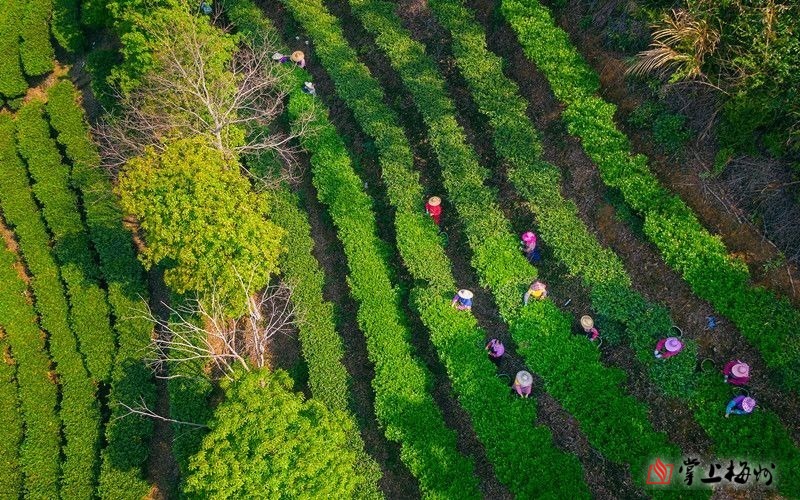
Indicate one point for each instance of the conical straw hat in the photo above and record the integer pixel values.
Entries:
(524, 378)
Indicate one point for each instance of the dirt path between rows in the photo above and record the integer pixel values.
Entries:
(685, 178)
(605, 479)
(162, 468)
(651, 277)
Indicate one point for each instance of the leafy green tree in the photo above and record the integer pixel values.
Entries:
(200, 218)
(268, 442)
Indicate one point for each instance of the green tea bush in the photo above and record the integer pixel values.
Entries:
(669, 132)
(79, 410)
(12, 81)
(89, 312)
(34, 28)
(27, 394)
(126, 451)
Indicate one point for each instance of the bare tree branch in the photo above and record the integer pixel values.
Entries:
(201, 331)
(143, 410)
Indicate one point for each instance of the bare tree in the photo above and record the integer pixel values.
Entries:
(188, 93)
(269, 313)
(201, 330)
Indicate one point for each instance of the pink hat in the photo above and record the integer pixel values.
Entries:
(673, 344)
(741, 369)
(529, 237)
(748, 404)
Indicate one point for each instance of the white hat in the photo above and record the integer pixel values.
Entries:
(465, 294)
(748, 404)
(673, 344)
(277, 56)
(587, 322)
(524, 378)
(741, 369)
(434, 201)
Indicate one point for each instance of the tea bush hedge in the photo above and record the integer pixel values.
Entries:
(127, 438)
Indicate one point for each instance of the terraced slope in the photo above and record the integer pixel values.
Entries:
(517, 141)
(403, 403)
(669, 224)
(79, 410)
(504, 270)
(127, 439)
(495, 416)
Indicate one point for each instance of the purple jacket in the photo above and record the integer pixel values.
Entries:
(496, 348)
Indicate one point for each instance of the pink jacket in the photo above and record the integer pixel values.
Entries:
(731, 378)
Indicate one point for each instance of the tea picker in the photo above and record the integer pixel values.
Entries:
(462, 300)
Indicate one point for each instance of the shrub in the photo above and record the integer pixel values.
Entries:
(99, 64)
(89, 312)
(35, 49)
(66, 25)
(669, 132)
(27, 394)
(11, 420)
(127, 438)
(12, 81)
(265, 441)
